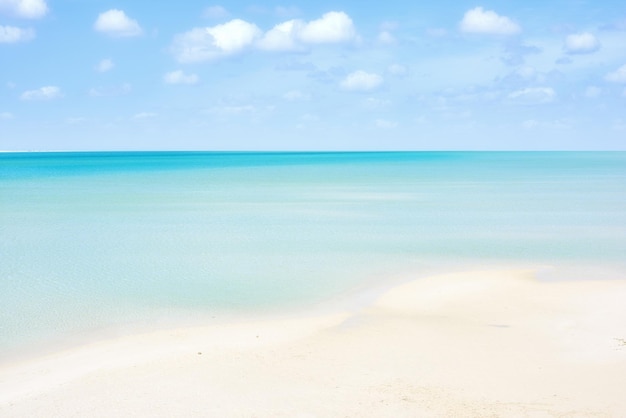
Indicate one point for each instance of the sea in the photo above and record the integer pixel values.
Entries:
(97, 241)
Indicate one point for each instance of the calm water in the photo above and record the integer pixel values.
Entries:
(91, 240)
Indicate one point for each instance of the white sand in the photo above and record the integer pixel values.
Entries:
(459, 345)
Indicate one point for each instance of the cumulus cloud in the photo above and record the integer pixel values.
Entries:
(295, 34)
(27, 9)
(533, 95)
(386, 38)
(581, 43)
(332, 27)
(11, 34)
(179, 77)
(105, 65)
(478, 20)
(617, 76)
(115, 23)
(361, 81)
(210, 43)
(43, 93)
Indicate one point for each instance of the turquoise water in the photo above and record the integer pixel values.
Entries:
(94, 240)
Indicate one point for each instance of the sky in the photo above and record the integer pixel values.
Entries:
(340, 75)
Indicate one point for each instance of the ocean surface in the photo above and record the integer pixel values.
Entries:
(92, 241)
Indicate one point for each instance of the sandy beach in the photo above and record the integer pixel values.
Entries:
(475, 344)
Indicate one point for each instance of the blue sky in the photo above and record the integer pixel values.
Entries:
(341, 75)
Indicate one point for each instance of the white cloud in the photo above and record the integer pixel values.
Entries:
(581, 43)
(28, 9)
(6, 115)
(293, 35)
(179, 77)
(295, 95)
(361, 81)
(332, 27)
(533, 95)
(617, 76)
(215, 12)
(43, 93)
(210, 43)
(478, 20)
(104, 65)
(283, 37)
(11, 34)
(115, 23)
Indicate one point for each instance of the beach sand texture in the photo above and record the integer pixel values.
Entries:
(471, 344)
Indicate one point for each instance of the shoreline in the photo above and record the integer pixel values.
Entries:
(472, 343)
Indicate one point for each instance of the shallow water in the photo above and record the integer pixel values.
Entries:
(91, 240)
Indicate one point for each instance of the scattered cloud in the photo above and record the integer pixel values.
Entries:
(215, 42)
(12, 34)
(215, 12)
(617, 76)
(283, 37)
(332, 27)
(296, 95)
(179, 77)
(210, 43)
(478, 20)
(6, 115)
(27, 9)
(115, 23)
(361, 81)
(105, 65)
(43, 93)
(296, 34)
(533, 95)
(581, 43)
